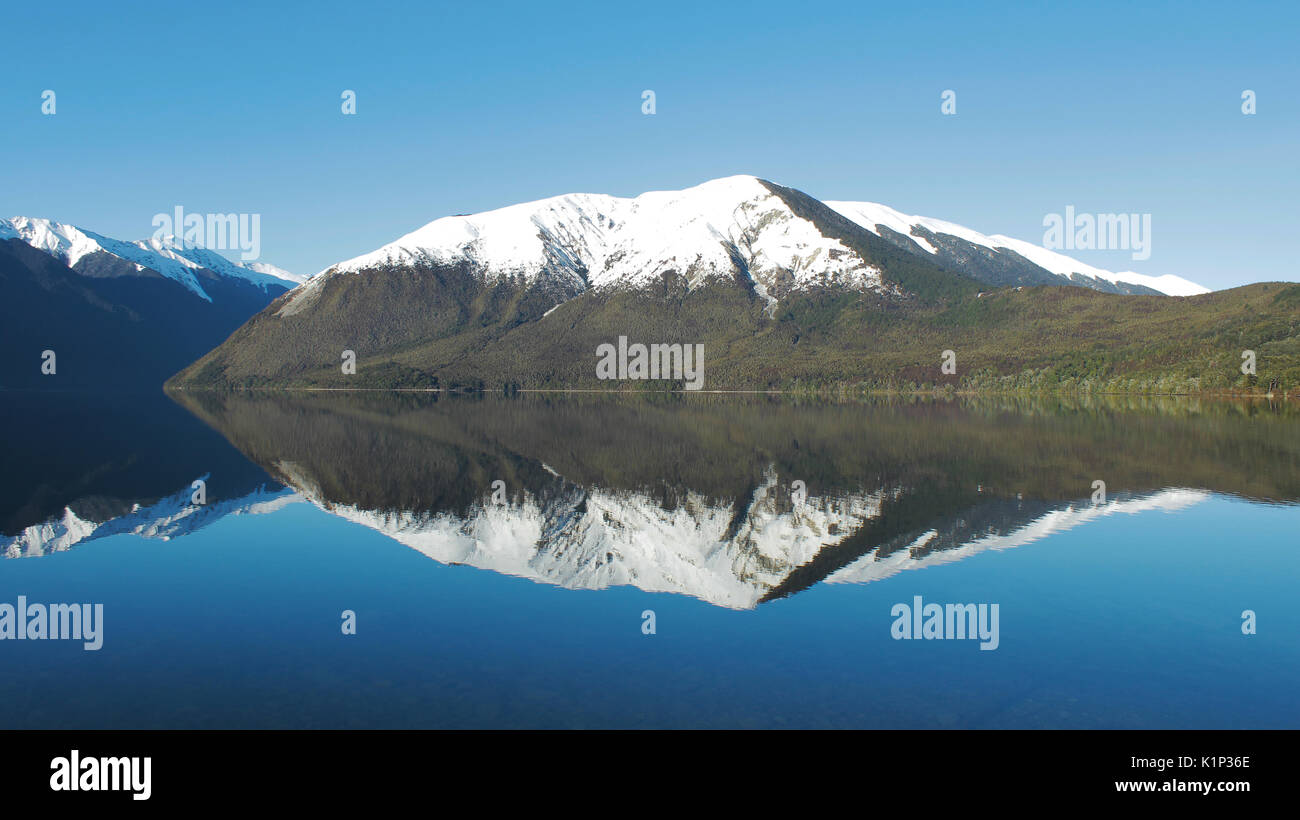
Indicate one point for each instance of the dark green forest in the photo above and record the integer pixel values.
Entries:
(437, 329)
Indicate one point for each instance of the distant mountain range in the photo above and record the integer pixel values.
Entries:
(116, 313)
(780, 289)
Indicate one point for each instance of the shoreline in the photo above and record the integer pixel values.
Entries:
(820, 393)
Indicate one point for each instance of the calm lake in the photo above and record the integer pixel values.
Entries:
(600, 561)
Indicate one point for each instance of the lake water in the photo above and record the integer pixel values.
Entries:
(665, 561)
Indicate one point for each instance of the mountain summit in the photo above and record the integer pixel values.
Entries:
(723, 228)
(781, 290)
(738, 225)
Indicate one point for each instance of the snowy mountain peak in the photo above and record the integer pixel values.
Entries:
(736, 225)
(594, 240)
(66, 242)
(166, 256)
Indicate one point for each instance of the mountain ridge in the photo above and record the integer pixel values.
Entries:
(165, 256)
(593, 218)
(83, 310)
(782, 290)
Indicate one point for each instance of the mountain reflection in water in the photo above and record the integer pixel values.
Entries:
(733, 500)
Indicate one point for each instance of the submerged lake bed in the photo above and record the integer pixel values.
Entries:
(664, 561)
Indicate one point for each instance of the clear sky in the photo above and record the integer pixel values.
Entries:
(470, 106)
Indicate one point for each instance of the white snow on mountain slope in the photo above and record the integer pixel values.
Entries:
(585, 241)
(595, 240)
(707, 227)
(165, 519)
(67, 243)
(273, 271)
(871, 567)
(870, 215)
(1064, 265)
(166, 256)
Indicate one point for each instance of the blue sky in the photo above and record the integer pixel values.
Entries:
(466, 107)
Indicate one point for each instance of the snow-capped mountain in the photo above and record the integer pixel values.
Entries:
(78, 249)
(729, 225)
(521, 296)
(930, 235)
(580, 241)
(116, 313)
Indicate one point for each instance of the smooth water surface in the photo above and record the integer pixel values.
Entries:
(770, 538)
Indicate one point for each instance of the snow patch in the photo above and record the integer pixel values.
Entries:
(166, 256)
(871, 215)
